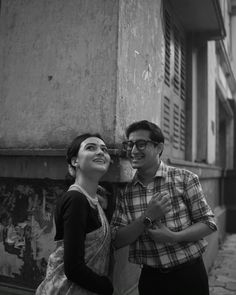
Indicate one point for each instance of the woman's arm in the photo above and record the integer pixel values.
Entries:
(75, 223)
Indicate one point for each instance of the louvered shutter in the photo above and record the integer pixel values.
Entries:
(173, 100)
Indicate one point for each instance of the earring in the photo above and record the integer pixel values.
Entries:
(76, 164)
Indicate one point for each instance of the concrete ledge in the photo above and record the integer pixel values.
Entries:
(14, 290)
(201, 169)
(51, 163)
(48, 163)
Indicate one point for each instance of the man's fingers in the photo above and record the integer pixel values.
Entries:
(168, 208)
(162, 202)
(165, 202)
(161, 197)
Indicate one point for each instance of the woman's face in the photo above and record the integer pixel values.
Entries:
(93, 156)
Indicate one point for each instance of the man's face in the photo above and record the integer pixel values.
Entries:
(146, 158)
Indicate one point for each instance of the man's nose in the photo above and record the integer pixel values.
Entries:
(134, 149)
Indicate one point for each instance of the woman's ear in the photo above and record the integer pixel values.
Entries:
(71, 170)
(74, 162)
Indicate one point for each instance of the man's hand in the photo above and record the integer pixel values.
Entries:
(161, 234)
(158, 206)
(103, 196)
(102, 201)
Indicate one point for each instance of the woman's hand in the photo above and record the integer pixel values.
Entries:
(161, 234)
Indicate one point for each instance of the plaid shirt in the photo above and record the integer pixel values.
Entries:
(188, 206)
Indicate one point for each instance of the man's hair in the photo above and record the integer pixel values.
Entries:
(74, 147)
(155, 131)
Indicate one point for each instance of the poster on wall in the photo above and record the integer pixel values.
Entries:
(26, 229)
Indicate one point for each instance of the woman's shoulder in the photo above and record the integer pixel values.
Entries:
(72, 205)
(73, 198)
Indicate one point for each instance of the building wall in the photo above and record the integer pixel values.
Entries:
(211, 99)
(72, 66)
(230, 187)
(233, 41)
(58, 71)
(27, 229)
(58, 78)
(140, 63)
(230, 202)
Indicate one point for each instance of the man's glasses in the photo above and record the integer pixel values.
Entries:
(140, 144)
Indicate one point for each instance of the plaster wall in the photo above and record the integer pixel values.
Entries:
(226, 16)
(230, 201)
(233, 42)
(58, 71)
(60, 77)
(230, 144)
(211, 188)
(194, 106)
(140, 63)
(211, 93)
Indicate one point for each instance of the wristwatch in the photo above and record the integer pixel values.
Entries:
(147, 221)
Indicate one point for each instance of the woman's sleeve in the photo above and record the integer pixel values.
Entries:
(75, 219)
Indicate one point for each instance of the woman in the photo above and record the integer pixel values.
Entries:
(79, 265)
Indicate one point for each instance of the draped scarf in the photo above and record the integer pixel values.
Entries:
(97, 253)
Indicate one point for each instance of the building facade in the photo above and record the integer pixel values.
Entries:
(69, 67)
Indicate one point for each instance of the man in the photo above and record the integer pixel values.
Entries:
(163, 215)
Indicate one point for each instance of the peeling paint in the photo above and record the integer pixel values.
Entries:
(26, 229)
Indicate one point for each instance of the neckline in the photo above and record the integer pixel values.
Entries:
(94, 200)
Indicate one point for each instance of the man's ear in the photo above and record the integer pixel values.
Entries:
(74, 161)
(160, 147)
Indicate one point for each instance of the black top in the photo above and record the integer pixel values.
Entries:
(74, 218)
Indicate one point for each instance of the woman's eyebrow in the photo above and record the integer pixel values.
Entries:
(96, 144)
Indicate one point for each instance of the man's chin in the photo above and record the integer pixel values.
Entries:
(135, 164)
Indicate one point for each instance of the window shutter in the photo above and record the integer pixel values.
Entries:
(176, 127)
(183, 69)
(167, 47)
(176, 60)
(166, 119)
(174, 93)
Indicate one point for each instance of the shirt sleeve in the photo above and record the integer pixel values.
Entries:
(75, 219)
(200, 211)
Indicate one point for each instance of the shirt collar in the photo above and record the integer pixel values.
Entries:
(161, 172)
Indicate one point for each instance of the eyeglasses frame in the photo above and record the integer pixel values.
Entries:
(134, 144)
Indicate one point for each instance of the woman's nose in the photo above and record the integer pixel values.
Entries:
(100, 151)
